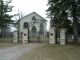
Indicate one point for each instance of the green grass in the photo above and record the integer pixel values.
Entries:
(6, 45)
(6, 40)
(54, 52)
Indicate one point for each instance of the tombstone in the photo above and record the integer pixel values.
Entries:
(25, 36)
(63, 36)
(15, 36)
(52, 36)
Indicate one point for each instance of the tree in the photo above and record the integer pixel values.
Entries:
(5, 18)
(59, 7)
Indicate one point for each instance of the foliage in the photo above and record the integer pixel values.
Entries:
(62, 10)
(58, 13)
(5, 18)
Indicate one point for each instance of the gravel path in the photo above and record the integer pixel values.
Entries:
(15, 52)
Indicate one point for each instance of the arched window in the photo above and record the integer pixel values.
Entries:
(33, 29)
(34, 18)
(41, 28)
(25, 25)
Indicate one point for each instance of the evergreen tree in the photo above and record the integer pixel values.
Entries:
(5, 18)
(60, 7)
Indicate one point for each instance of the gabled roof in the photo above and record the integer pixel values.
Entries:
(30, 14)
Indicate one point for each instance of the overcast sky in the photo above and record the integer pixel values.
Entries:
(28, 6)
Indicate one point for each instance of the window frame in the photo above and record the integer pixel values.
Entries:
(25, 25)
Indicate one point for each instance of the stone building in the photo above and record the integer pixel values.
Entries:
(31, 27)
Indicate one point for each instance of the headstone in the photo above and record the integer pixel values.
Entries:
(15, 36)
(52, 36)
(25, 36)
(63, 36)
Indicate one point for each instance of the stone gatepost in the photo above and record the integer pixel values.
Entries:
(25, 36)
(15, 36)
(52, 36)
(63, 36)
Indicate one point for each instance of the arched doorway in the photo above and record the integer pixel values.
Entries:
(33, 34)
(33, 31)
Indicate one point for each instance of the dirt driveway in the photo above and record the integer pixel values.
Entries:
(15, 52)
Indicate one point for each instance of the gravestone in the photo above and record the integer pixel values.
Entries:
(15, 36)
(63, 36)
(52, 35)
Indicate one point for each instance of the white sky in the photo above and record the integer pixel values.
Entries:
(28, 6)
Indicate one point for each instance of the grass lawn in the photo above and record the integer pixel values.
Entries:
(5, 45)
(54, 52)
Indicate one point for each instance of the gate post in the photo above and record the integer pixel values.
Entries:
(52, 36)
(25, 36)
(63, 36)
(15, 36)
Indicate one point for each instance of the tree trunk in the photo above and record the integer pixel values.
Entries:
(75, 22)
(56, 35)
(1, 32)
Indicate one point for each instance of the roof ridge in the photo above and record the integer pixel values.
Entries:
(30, 14)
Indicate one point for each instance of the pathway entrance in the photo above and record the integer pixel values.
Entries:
(15, 52)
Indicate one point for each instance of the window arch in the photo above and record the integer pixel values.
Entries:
(42, 28)
(34, 18)
(33, 29)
